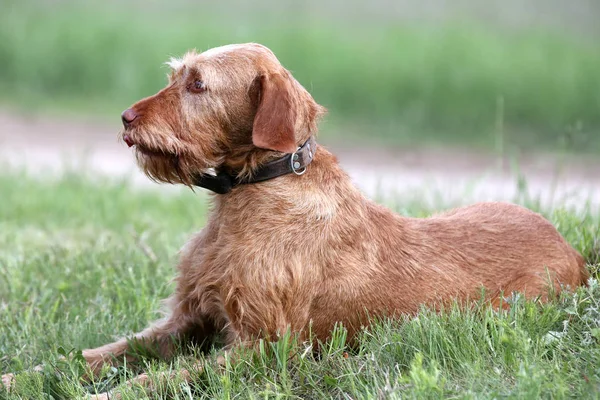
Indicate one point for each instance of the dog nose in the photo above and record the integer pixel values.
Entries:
(128, 117)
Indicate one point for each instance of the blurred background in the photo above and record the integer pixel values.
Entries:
(438, 91)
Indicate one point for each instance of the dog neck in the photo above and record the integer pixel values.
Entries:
(296, 163)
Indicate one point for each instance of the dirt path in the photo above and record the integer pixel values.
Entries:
(47, 145)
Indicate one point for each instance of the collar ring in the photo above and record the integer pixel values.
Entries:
(295, 164)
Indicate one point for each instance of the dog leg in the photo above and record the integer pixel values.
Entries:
(149, 383)
(155, 339)
(159, 340)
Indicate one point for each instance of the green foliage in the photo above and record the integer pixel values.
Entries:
(400, 82)
(83, 262)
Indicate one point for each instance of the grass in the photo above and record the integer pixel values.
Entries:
(83, 262)
(403, 83)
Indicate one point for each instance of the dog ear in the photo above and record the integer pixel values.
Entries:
(275, 120)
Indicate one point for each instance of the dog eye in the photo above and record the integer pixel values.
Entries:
(197, 86)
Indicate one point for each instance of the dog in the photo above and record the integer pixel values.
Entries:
(290, 243)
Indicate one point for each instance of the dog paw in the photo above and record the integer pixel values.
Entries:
(7, 381)
(221, 361)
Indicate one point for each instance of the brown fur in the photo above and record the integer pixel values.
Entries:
(310, 250)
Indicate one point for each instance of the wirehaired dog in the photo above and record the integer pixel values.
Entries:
(290, 243)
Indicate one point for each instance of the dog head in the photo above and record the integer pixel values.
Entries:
(230, 107)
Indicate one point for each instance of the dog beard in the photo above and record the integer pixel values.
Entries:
(161, 167)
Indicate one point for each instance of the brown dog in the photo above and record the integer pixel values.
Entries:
(290, 242)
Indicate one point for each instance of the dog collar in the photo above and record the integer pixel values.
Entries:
(296, 163)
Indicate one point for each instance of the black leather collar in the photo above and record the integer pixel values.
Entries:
(296, 163)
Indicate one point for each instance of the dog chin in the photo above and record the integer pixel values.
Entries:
(161, 167)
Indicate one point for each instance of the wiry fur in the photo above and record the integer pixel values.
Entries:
(311, 250)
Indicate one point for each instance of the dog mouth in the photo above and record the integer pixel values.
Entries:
(128, 141)
(145, 150)
(169, 165)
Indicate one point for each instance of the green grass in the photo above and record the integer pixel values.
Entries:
(459, 82)
(83, 262)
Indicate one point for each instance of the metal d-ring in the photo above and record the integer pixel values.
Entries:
(296, 165)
